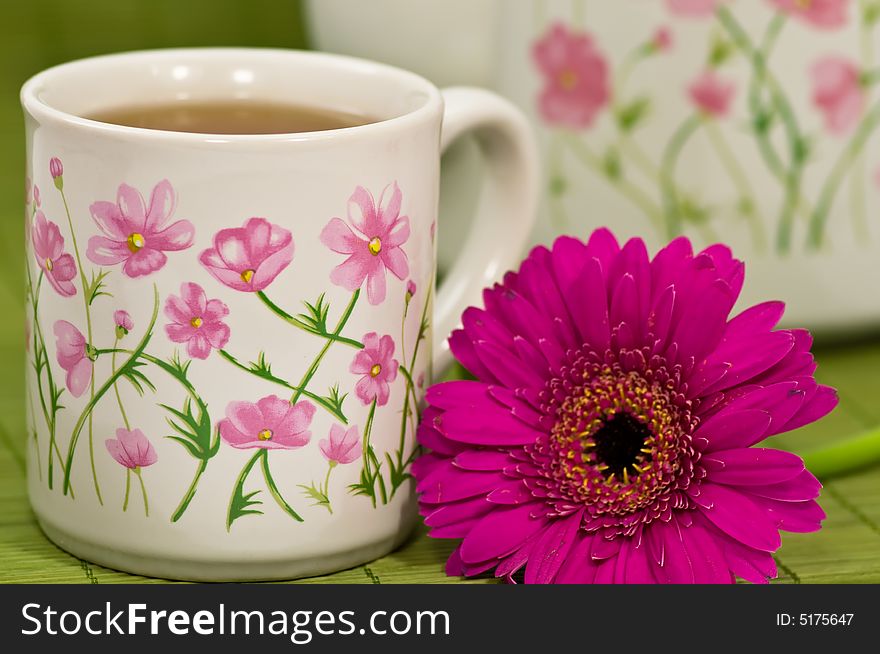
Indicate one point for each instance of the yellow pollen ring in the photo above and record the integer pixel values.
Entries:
(135, 242)
(568, 79)
(375, 246)
(265, 434)
(49, 265)
(247, 276)
(375, 370)
(196, 322)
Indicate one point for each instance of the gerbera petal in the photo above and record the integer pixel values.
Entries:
(822, 402)
(447, 483)
(801, 517)
(706, 557)
(747, 563)
(733, 428)
(550, 550)
(675, 567)
(738, 516)
(800, 488)
(499, 533)
(752, 466)
(578, 567)
(494, 428)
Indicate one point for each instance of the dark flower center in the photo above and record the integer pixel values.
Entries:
(620, 444)
(618, 440)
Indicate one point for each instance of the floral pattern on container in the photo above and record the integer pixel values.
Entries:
(741, 97)
(132, 239)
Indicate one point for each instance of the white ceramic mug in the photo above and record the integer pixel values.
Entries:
(751, 122)
(230, 335)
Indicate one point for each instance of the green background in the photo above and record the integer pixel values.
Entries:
(35, 34)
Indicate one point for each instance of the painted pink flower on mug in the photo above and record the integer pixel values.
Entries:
(838, 93)
(663, 40)
(378, 369)
(72, 352)
(196, 321)
(124, 323)
(250, 257)
(822, 14)
(342, 445)
(374, 247)
(131, 449)
(576, 78)
(271, 423)
(137, 234)
(693, 8)
(58, 266)
(712, 94)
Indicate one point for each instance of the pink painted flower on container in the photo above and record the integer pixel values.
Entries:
(37, 199)
(838, 93)
(56, 169)
(374, 247)
(663, 40)
(138, 235)
(576, 78)
(72, 352)
(610, 433)
(271, 424)
(124, 323)
(58, 266)
(250, 257)
(712, 94)
(822, 14)
(378, 367)
(131, 449)
(196, 321)
(693, 8)
(342, 445)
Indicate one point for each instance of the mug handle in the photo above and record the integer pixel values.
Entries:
(507, 207)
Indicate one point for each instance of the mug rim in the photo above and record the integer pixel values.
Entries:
(44, 112)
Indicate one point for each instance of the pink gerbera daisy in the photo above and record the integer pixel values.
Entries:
(609, 436)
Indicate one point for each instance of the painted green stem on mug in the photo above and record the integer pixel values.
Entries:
(624, 186)
(87, 411)
(748, 204)
(307, 377)
(84, 285)
(671, 154)
(317, 399)
(292, 320)
(843, 164)
(137, 471)
(791, 178)
(273, 489)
